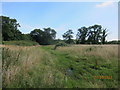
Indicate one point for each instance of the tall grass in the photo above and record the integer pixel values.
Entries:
(104, 51)
(18, 60)
(20, 43)
(66, 67)
(88, 61)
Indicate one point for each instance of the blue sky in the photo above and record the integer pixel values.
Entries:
(62, 16)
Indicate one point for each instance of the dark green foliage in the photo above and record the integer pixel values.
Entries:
(95, 34)
(26, 37)
(82, 35)
(49, 36)
(45, 37)
(92, 35)
(36, 35)
(10, 29)
(104, 36)
(68, 36)
(10, 32)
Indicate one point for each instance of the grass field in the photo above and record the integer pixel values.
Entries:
(75, 66)
(20, 43)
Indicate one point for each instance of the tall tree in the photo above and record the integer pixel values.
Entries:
(44, 37)
(68, 36)
(82, 35)
(94, 34)
(49, 35)
(37, 35)
(104, 34)
(10, 29)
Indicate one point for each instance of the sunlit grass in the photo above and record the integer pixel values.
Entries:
(66, 67)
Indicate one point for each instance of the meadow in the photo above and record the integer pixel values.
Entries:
(74, 66)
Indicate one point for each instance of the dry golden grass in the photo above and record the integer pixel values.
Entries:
(22, 60)
(104, 51)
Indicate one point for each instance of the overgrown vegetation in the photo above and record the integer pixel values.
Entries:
(67, 67)
(20, 43)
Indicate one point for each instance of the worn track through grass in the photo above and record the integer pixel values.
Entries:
(66, 67)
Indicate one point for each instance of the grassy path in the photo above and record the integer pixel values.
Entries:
(66, 67)
(81, 69)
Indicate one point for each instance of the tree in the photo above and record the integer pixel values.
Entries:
(44, 37)
(82, 35)
(10, 29)
(26, 37)
(104, 34)
(37, 35)
(49, 35)
(95, 32)
(68, 36)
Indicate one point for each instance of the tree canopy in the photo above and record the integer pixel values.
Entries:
(68, 36)
(10, 29)
(44, 37)
(95, 34)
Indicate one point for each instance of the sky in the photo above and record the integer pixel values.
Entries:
(63, 16)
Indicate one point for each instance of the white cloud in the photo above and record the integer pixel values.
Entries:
(104, 4)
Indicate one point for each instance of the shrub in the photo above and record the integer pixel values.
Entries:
(60, 44)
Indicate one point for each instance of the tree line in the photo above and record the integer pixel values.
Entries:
(86, 35)
(92, 35)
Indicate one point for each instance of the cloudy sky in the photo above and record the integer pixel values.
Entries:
(62, 16)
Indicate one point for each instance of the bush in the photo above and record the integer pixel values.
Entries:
(60, 44)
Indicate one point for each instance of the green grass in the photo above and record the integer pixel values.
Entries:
(65, 67)
(85, 68)
(20, 43)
